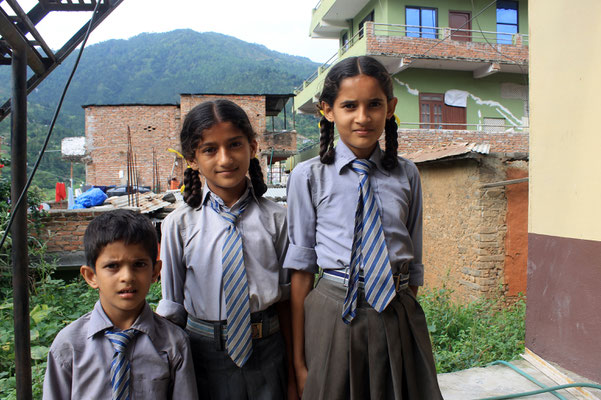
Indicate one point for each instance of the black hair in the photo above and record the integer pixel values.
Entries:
(202, 117)
(348, 68)
(117, 225)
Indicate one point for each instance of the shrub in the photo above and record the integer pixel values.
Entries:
(474, 334)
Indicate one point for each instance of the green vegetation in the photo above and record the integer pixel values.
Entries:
(54, 303)
(474, 334)
(151, 68)
(463, 336)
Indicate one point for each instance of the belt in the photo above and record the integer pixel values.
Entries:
(401, 281)
(263, 324)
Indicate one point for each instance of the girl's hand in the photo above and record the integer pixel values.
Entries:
(292, 389)
(301, 378)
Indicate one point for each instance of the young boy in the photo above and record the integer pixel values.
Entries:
(120, 350)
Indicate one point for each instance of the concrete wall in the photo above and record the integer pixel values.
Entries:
(564, 267)
(499, 95)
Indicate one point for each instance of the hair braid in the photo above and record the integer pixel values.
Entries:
(390, 158)
(256, 177)
(193, 188)
(326, 141)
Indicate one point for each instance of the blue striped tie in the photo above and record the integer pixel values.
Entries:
(369, 251)
(120, 364)
(235, 286)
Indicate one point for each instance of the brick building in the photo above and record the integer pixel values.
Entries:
(154, 128)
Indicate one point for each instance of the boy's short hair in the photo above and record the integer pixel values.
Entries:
(117, 225)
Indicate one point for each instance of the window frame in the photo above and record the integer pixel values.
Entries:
(502, 36)
(420, 33)
(368, 18)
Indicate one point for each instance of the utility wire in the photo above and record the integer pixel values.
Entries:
(58, 108)
(464, 24)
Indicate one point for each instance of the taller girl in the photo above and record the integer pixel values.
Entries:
(356, 212)
(222, 255)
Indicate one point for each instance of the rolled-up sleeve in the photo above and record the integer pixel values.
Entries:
(414, 226)
(173, 274)
(301, 224)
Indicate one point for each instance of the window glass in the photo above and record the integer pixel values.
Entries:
(507, 20)
(423, 21)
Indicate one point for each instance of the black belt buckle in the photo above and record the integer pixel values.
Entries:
(218, 339)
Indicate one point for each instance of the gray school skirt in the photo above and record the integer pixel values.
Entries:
(377, 356)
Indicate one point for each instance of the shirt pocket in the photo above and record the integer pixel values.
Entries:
(152, 379)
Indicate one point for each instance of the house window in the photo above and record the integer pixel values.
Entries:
(494, 125)
(507, 21)
(344, 41)
(368, 18)
(435, 114)
(421, 22)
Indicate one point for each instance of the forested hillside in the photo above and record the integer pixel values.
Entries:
(151, 68)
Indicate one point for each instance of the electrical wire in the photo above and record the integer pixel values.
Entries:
(54, 118)
(464, 24)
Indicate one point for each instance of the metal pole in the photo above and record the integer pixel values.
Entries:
(19, 227)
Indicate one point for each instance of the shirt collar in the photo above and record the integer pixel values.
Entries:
(99, 321)
(207, 193)
(344, 156)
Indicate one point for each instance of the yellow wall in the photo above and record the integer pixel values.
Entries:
(565, 118)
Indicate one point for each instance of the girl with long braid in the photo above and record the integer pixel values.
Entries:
(356, 213)
(222, 257)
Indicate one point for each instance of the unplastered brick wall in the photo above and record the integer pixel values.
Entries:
(158, 126)
(254, 106)
(63, 233)
(412, 47)
(412, 140)
(465, 226)
(151, 127)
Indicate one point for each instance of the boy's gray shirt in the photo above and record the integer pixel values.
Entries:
(79, 360)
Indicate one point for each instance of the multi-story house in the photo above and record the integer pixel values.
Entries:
(460, 73)
(460, 67)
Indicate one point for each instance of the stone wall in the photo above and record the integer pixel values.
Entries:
(466, 227)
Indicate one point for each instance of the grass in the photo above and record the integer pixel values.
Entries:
(474, 334)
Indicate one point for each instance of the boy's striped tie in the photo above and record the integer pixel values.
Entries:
(235, 287)
(369, 251)
(120, 364)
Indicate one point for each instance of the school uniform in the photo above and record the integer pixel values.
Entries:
(191, 251)
(384, 355)
(79, 360)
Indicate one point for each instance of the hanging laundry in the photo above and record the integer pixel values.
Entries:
(61, 192)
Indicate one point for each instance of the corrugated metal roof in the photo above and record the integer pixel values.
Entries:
(149, 202)
(275, 193)
(448, 151)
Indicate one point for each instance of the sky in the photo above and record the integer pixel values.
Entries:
(280, 25)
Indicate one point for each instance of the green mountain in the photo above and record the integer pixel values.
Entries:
(150, 68)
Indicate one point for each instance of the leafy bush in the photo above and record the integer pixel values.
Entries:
(474, 334)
